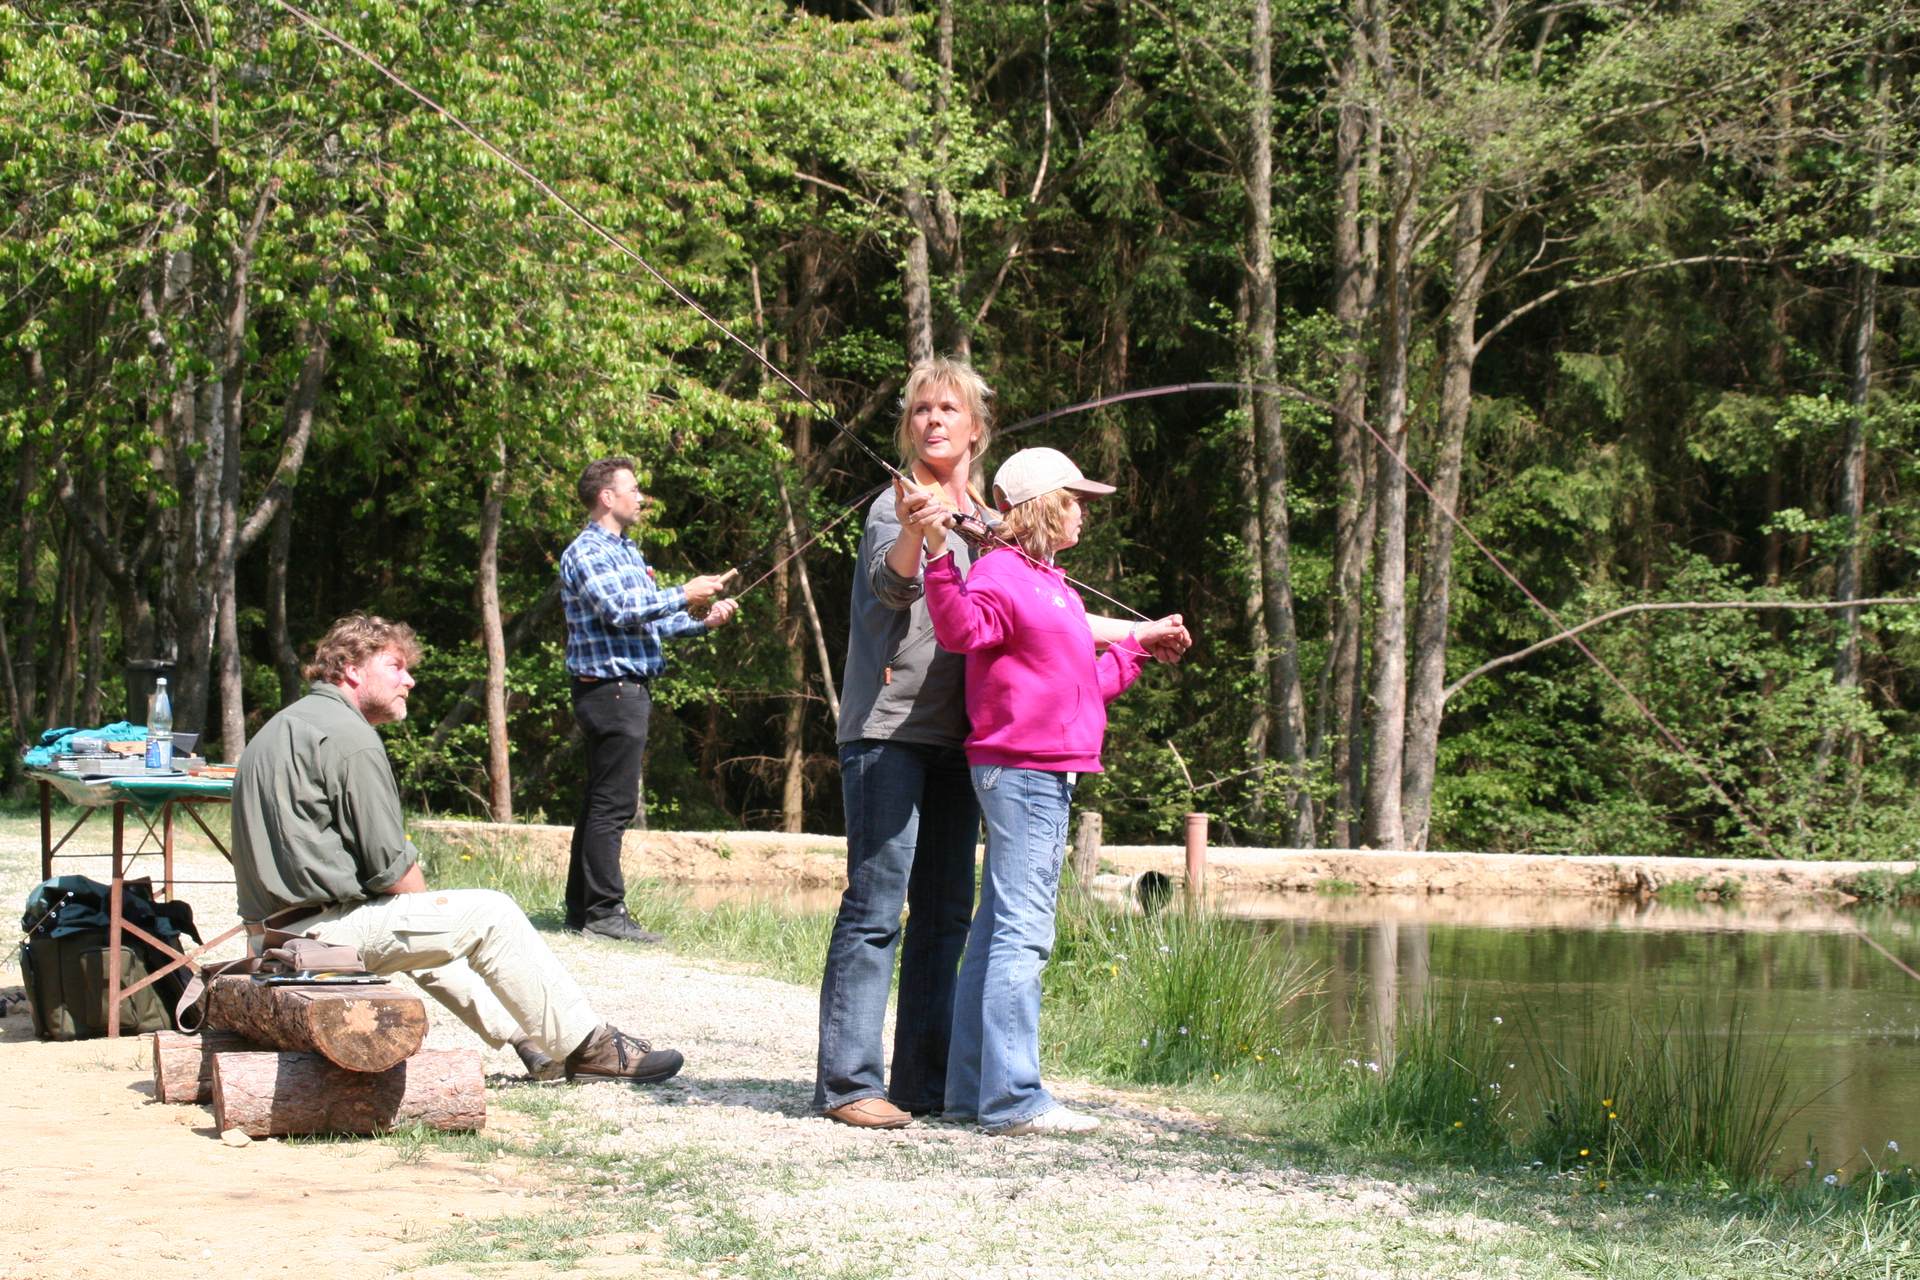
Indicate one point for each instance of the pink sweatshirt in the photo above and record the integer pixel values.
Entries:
(1036, 692)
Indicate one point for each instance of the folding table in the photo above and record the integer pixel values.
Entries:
(153, 801)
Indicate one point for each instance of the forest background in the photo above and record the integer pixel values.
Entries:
(1630, 287)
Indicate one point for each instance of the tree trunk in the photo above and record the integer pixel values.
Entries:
(1260, 724)
(1425, 699)
(917, 285)
(279, 1094)
(1276, 575)
(286, 661)
(1389, 682)
(493, 636)
(1356, 266)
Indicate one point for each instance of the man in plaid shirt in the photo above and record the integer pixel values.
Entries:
(616, 618)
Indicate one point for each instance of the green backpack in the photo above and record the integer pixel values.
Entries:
(63, 961)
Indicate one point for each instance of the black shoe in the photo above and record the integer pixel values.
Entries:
(621, 928)
(538, 1064)
(610, 1053)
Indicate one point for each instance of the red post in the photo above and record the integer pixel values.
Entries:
(1196, 857)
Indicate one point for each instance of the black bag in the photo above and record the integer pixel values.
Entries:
(63, 961)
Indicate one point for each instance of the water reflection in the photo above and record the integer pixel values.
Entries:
(1846, 1019)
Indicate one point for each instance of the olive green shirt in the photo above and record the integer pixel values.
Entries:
(316, 813)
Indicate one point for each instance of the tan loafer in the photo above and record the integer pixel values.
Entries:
(870, 1113)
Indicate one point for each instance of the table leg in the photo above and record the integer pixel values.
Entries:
(166, 846)
(46, 830)
(113, 921)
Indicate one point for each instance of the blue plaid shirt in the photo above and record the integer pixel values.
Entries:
(616, 616)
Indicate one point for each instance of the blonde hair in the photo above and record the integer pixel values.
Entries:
(945, 371)
(354, 640)
(1038, 524)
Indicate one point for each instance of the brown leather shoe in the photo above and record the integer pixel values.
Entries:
(870, 1113)
(610, 1053)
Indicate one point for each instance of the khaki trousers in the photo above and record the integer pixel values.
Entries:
(474, 951)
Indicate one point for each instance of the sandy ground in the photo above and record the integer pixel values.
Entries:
(103, 1181)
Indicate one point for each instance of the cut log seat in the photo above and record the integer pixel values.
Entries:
(278, 1094)
(183, 1065)
(360, 1028)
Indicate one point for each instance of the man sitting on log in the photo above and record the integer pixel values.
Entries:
(320, 849)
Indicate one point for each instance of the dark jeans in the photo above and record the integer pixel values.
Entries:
(613, 716)
(912, 824)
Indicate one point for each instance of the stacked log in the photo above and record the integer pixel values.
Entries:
(278, 1094)
(183, 1065)
(360, 1028)
(281, 1059)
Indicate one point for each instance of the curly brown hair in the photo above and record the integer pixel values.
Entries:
(354, 640)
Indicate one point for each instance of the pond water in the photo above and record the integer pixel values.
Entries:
(1846, 1019)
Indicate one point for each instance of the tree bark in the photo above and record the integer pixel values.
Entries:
(1425, 697)
(360, 1028)
(493, 637)
(1276, 575)
(1356, 265)
(279, 1094)
(1389, 681)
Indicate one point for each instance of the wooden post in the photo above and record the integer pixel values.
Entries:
(272, 1094)
(1086, 851)
(1196, 858)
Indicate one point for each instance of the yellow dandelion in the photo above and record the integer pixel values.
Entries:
(1612, 1116)
(1606, 1102)
(1459, 1124)
(466, 857)
(1583, 1151)
(1602, 1184)
(1216, 1077)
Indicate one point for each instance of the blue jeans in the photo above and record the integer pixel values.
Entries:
(911, 827)
(994, 1074)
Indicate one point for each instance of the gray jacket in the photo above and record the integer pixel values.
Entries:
(898, 684)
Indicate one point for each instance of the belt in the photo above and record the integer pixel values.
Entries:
(260, 928)
(612, 679)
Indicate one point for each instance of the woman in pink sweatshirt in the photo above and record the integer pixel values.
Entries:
(1037, 697)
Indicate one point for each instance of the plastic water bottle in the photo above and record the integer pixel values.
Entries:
(160, 727)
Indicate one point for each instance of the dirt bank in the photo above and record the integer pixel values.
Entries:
(809, 861)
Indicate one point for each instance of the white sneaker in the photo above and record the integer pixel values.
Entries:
(1058, 1120)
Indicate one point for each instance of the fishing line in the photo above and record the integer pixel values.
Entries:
(589, 222)
(965, 526)
(1754, 826)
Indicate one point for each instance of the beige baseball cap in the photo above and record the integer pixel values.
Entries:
(1033, 472)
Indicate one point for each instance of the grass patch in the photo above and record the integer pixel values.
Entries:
(1167, 998)
(1700, 889)
(1334, 887)
(1883, 888)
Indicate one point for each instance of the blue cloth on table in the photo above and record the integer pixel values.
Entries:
(53, 741)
